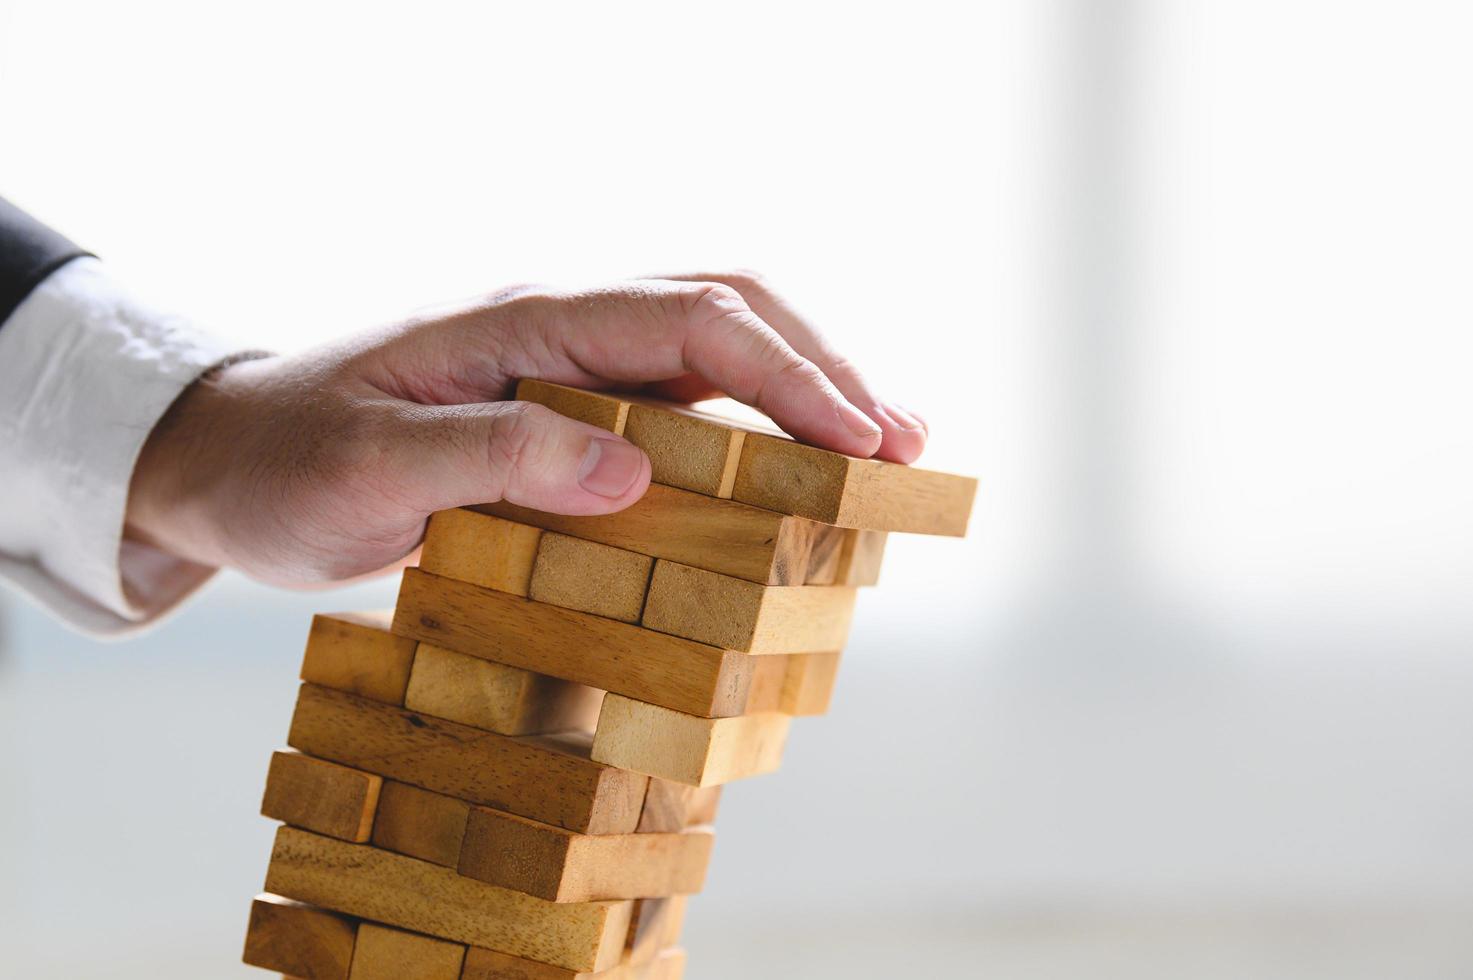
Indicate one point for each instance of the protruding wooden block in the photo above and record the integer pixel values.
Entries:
(481, 549)
(687, 448)
(484, 964)
(392, 954)
(654, 928)
(735, 614)
(670, 807)
(808, 683)
(321, 796)
(590, 577)
(697, 751)
(860, 558)
(559, 866)
(355, 652)
(543, 777)
(791, 478)
(363, 881)
(591, 650)
(720, 535)
(299, 940)
(420, 824)
(498, 698)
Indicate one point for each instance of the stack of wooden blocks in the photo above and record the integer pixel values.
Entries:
(515, 776)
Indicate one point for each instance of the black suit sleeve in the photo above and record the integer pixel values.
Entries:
(29, 252)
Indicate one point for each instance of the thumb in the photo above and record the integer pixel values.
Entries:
(520, 452)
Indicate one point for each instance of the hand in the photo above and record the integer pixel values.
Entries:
(325, 465)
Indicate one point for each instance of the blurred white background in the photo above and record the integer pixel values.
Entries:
(1186, 285)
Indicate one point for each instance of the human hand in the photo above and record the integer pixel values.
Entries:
(325, 465)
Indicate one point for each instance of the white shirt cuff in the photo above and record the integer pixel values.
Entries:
(86, 371)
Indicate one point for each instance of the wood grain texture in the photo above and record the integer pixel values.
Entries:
(482, 549)
(669, 807)
(687, 749)
(498, 698)
(543, 777)
(654, 927)
(808, 683)
(590, 577)
(735, 614)
(688, 449)
(355, 652)
(826, 554)
(392, 954)
(860, 558)
(321, 796)
(560, 866)
(299, 940)
(720, 535)
(420, 824)
(791, 478)
(362, 881)
(591, 650)
(485, 964)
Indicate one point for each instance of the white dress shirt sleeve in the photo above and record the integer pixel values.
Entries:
(86, 370)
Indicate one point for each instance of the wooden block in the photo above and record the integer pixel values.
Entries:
(827, 554)
(321, 796)
(654, 927)
(392, 954)
(299, 940)
(808, 683)
(734, 614)
(720, 535)
(697, 751)
(543, 777)
(687, 448)
(602, 653)
(590, 577)
(498, 698)
(860, 558)
(482, 549)
(485, 964)
(769, 676)
(363, 881)
(355, 652)
(560, 866)
(421, 824)
(791, 478)
(669, 807)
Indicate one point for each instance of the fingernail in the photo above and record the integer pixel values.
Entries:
(609, 467)
(905, 419)
(857, 422)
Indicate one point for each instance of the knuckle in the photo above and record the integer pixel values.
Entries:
(711, 301)
(746, 280)
(518, 440)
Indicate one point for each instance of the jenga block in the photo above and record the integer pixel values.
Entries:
(543, 777)
(392, 954)
(560, 866)
(481, 549)
(860, 557)
(791, 478)
(808, 683)
(697, 751)
(485, 964)
(827, 554)
(321, 796)
(735, 614)
(687, 448)
(591, 650)
(654, 927)
(590, 577)
(720, 535)
(299, 940)
(498, 698)
(669, 807)
(362, 881)
(355, 652)
(421, 824)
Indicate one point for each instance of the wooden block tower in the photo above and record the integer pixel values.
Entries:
(514, 775)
